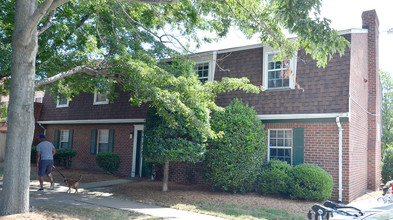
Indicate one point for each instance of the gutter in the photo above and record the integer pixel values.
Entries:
(340, 159)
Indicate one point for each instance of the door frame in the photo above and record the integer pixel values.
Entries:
(136, 129)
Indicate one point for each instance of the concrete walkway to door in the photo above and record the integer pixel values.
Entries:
(88, 198)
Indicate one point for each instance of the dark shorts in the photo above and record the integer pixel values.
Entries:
(45, 167)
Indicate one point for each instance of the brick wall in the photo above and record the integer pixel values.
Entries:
(370, 22)
(81, 143)
(321, 148)
(326, 90)
(81, 108)
(358, 129)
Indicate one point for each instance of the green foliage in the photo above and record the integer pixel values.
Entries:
(274, 178)
(233, 161)
(63, 157)
(3, 110)
(387, 165)
(33, 155)
(108, 161)
(387, 110)
(310, 182)
(123, 43)
(163, 142)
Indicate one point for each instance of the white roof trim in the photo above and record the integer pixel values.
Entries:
(259, 45)
(353, 31)
(98, 121)
(302, 116)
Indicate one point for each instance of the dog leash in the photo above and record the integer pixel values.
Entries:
(58, 171)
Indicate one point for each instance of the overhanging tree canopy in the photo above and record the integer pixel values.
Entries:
(73, 46)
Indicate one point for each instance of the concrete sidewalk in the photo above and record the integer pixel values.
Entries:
(96, 195)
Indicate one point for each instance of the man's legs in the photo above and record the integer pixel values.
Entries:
(50, 177)
(41, 178)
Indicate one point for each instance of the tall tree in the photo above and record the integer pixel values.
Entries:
(73, 46)
(387, 110)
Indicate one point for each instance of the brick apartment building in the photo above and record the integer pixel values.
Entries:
(333, 121)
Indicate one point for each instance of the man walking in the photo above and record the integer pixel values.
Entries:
(45, 152)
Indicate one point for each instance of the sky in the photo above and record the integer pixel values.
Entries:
(344, 14)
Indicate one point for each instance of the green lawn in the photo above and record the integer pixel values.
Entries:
(233, 211)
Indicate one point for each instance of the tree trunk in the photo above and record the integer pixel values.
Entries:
(165, 179)
(14, 197)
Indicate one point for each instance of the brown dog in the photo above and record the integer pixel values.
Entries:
(72, 183)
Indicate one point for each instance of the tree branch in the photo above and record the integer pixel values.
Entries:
(47, 23)
(79, 69)
(34, 20)
(39, 13)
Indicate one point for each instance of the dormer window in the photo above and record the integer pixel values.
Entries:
(100, 99)
(62, 102)
(202, 70)
(278, 74)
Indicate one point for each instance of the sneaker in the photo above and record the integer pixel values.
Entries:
(52, 186)
(40, 190)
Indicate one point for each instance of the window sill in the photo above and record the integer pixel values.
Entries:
(279, 89)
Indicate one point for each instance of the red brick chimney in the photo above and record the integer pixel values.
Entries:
(370, 22)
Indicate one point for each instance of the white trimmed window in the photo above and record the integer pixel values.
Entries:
(274, 73)
(103, 140)
(64, 138)
(62, 102)
(38, 99)
(100, 99)
(203, 70)
(280, 144)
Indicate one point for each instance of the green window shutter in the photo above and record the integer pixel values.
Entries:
(70, 138)
(298, 146)
(110, 140)
(56, 139)
(93, 139)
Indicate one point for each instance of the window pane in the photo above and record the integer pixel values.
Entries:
(288, 142)
(280, 142)
(273, 142)
(278, 75)
(278, 65)
(272, 134)
(271, 65)
(63, 101)
(202, 70)
(280, 133)
(288, 134)
(103, 136)
(281, 152)
(272, 83)
(273, 152)
(100, 98)
(285, 82)
(102, 148)
(63, 144)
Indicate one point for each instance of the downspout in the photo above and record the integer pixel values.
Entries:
(340, 159)
(42, 127)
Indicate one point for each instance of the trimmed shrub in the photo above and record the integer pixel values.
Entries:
(233, 161)
(108, 161)
(33, 156)
(274, 178)
(387, 165)
(310, 182)
(63, 157)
